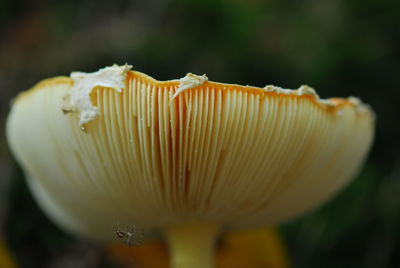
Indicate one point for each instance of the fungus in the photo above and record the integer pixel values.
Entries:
(185, 158)
(259, 247)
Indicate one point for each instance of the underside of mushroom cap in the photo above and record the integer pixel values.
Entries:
(154, 155)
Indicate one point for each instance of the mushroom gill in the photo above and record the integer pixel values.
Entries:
(185, 157)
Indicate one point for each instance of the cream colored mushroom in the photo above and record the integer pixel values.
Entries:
(184, 157)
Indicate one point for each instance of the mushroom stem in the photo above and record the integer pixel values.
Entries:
(192, 245)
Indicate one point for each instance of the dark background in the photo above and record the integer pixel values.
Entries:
(341, 48)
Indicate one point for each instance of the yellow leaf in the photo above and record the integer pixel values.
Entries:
(6, 260)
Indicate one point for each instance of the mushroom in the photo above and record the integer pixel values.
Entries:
(186, 158)
(256, 247)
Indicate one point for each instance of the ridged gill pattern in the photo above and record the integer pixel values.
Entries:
(216, 153)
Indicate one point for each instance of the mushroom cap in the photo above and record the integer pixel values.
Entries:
(118, 147)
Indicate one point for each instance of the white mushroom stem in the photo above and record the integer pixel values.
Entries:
(192, 245)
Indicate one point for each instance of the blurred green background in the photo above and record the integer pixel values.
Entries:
(341, 48)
